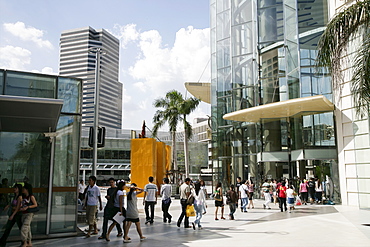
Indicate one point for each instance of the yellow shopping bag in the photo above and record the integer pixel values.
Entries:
(190, 211)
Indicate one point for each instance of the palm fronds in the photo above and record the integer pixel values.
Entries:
(334, 42)
(361, 78)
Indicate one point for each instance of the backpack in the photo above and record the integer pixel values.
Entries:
(311, 184)
(282, 191)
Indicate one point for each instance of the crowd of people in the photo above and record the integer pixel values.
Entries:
(192, 199)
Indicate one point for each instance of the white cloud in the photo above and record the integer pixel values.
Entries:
(20, 30)
(46, 70)
(160, 68)
(14, 57)
(125, 33)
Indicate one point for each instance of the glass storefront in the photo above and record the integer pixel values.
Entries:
(30, 157)
(263, 52)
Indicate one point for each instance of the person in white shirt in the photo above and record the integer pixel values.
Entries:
(150, 199)
(91, 205)
(81, 190)
(118, 207)
(243, 195)
(290, 197)
(199, 204)
(266, 188)
(185, 191)
(166, 191)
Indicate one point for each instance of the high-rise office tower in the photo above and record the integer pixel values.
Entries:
(76, 60)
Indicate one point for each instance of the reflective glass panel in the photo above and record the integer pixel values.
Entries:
(68, 90)
(30, 85)
(1, 82)
(25, 157)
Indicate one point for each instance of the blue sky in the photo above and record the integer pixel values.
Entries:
(164, 43)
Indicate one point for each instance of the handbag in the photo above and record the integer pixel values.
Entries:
(218, 196)
(190, 211)
(190, 199)
(33, 210)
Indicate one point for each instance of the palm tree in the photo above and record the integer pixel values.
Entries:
(353, 21)
(170, 113)
(186, 107)
(174, 108)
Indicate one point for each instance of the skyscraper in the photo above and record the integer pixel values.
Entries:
(77, 61)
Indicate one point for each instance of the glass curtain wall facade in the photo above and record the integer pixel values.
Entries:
(264, 52)
(30, 157)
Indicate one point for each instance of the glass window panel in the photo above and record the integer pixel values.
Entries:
(1, 82)
(224, 82)
(243, 39)
(30, 85)
(243, 98)
(242, 11)
(223, 25)
(244, 71)
(223, 53)
(63, 215)
(272, 131)
(69, 91)
(66, 151)
(25, 157)
(270, 25)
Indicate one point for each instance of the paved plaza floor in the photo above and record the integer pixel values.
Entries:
(308, 225)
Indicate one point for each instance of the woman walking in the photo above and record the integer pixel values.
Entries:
(118, 207)
(282, 197)
(132, 213)
(27, 204)
(318, 191)
(303, 191)
(199, 204)
(219, 201)
(15, 216)
(250, 194)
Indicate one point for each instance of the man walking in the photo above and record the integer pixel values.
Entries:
(150, 199)
(91, 205)
(108, 210)
(166, 191)
(185, 191)
(243, 195)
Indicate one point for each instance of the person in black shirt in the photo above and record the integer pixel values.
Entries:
(109, 209)
(311, 189)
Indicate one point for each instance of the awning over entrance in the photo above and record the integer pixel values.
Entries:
(200, 90)
(27, 114)
(303, 106)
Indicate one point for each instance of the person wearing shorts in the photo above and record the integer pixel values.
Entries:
(132, 213)
(91, 204)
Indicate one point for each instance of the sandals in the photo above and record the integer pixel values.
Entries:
(119, 234)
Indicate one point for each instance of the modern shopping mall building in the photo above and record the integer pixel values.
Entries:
(274, 115)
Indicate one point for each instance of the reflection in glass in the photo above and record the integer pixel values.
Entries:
(30, 85)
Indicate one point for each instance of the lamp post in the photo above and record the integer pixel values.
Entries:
(98, 52)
